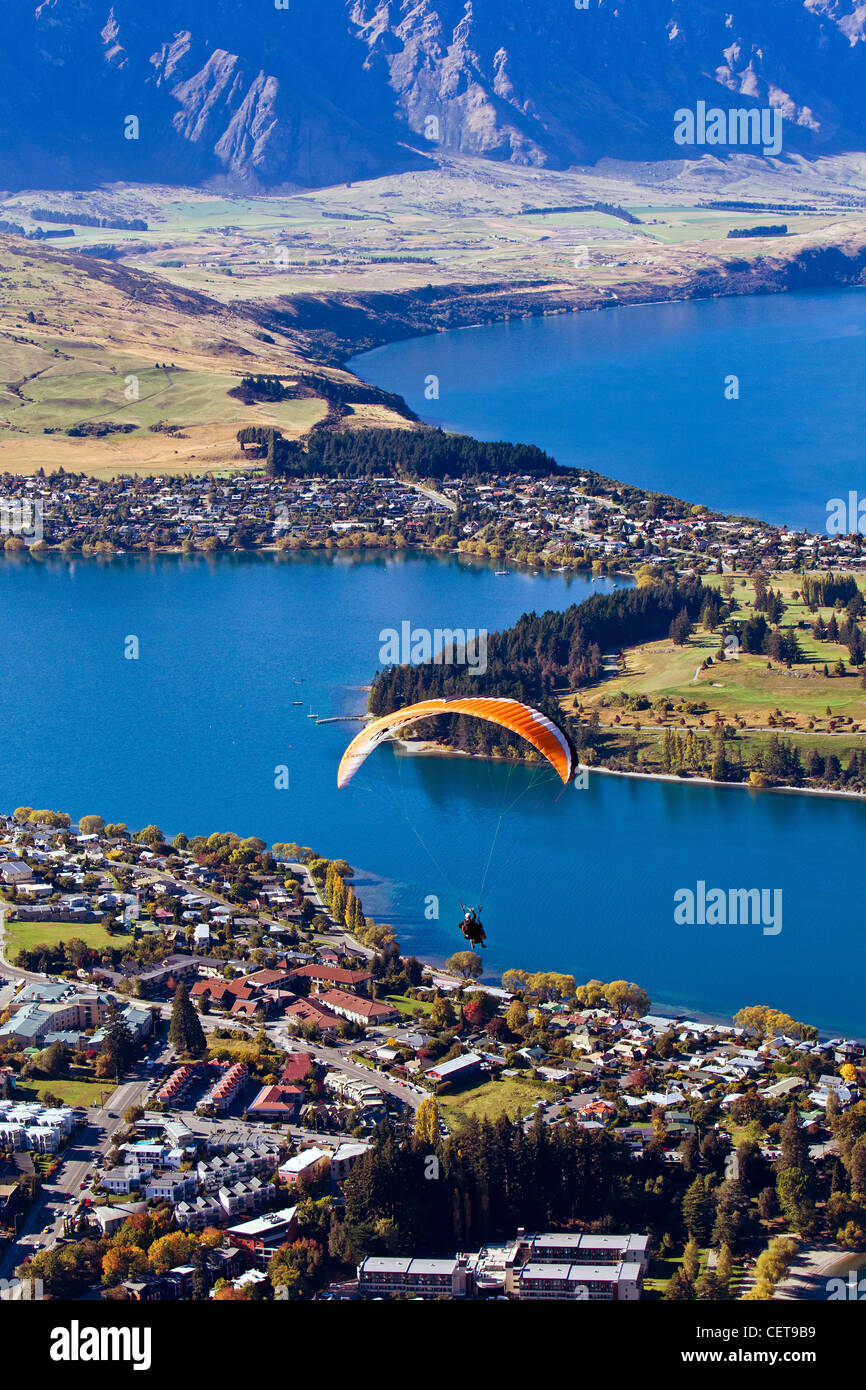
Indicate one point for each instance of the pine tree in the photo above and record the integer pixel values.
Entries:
(793, 1143)
(118, 1046)
(698, 1208)
(358, 923)
(185, 1032)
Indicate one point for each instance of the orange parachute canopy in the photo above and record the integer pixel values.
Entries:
(522, 719)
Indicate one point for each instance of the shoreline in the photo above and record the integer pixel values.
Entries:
(676, 1012)
(451, 305)
(418, 748)
(709, 782)
(815, 1262)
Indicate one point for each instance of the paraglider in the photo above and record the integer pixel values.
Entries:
(521, 719)
(536, 728)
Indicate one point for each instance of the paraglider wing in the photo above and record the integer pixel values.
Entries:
(521, 719)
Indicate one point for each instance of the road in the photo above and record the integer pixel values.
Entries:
(389, 1084)
(90, 1141)
(439, 497)
(338, 937)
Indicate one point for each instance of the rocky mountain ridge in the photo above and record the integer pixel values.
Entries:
(323, 91)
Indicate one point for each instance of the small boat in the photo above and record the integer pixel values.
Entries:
(500, 573)
(297, 702)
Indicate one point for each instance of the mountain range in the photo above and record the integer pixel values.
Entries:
(256, 95)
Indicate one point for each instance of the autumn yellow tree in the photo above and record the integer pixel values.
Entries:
(765, 1021)
(427, 1120)
(517, 1017)
(123, 1262)
(168, 1251)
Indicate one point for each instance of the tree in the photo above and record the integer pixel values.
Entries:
(427, 1121)
(54, 1061)
(732, 1222)
(625, 998)
(710, 1288)
(150, 835)
(466, 963)
(515, 981)
(794, 1192)
(123, 1262)
(772, 1265)
(91, 825)
(725, 1267)
(185, 1032)
(793, 1143)
(691, 1259)
(766, 1021)
(480, 1009)
(517, 1017)
(442, 1014)
(681, 628)
(118, 1048)
(698, 1209)
(169, 1250)
(679, 1287)
(296, 1269)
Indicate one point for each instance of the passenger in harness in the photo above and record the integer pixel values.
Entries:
(473, 930)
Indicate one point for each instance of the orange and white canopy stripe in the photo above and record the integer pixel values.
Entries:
(521, 719)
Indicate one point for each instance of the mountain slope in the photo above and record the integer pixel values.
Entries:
(335, 89)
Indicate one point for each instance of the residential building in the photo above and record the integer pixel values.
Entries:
(383, 1276)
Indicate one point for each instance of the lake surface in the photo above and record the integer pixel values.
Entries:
(190, 735)
(639, 394)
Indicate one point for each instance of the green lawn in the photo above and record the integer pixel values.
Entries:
(24, 936)
(512, 1095)
(410, 1007)
(74, 1091)
(91, 386)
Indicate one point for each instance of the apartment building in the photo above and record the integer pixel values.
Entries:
(382, 1276)
(585, 1283)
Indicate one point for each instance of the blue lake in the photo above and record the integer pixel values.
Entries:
(190, 734)
(639, 394)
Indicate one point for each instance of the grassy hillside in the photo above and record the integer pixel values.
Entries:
(85, 342)
(755, 697)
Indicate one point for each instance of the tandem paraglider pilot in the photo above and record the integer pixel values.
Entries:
(472, 929)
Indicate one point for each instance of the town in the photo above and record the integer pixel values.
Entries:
(566, 521)
(220, 1079)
